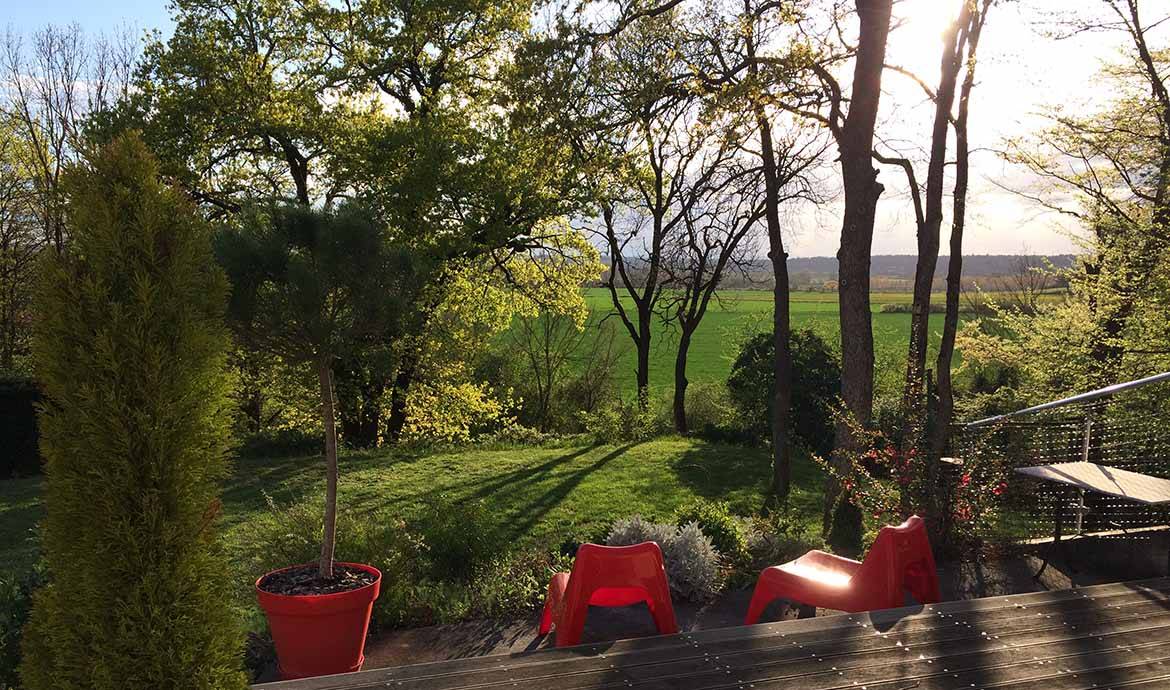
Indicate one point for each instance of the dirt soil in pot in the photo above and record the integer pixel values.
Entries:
(305, 581)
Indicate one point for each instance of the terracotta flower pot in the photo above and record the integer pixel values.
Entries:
(320, 634)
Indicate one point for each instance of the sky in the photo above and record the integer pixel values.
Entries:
(1021, 71)
(93, 15)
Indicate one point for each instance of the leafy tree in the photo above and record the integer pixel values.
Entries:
(816, 386)
(130, 349)
(943, 410)
(850, 116)
(412, 107)
(1109, 167)
(667, 154)
(482, 299)
(239, 105)
(745, 59)
(312, 286)
(21, 241)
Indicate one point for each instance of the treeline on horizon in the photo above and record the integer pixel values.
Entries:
(895, 272)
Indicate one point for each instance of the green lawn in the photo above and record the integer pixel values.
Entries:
(740, 313)
(536, 496)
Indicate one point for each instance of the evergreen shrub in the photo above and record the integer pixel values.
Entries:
(130, 348)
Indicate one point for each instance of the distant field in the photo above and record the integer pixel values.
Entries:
(741, 313)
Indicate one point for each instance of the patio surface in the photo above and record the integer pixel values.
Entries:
(1075, 639)
(958, 582)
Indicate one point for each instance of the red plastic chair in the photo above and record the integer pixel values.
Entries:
(608, 576)
(900, 559)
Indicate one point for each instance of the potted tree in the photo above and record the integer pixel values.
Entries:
(311, 286)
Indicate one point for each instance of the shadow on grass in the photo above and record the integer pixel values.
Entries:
(534, 510)
(740, 475)
(520, 477)
(297, 476)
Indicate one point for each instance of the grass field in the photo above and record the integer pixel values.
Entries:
(535, 496)
(741, 313)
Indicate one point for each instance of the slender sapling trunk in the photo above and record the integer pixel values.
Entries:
(325, 378)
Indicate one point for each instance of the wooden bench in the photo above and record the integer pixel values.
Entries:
(1093, 637)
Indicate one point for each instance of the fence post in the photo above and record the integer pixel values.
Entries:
(1086, 444)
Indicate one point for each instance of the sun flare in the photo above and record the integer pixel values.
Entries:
(919, 29)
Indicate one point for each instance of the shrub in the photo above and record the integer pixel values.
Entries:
(514, 584)
(16, 592)
(625, 422)
(18, 428)
(845, 532)
(636, 530)
(130, 348)
(714, 518)
(282, 443)
(418, 586)
(775, 539)
(712, 415)
(456, 539)
(692, 563)
(516, 434)
(444, 412)
(816, 385)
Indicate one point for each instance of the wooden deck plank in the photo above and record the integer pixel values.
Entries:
(996, 660)
(911, 629)
(1003, 633)
(908, 619)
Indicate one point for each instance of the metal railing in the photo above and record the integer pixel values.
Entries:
(1126, 425)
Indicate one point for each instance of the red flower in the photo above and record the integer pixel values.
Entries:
(999, 488)
(965, 479)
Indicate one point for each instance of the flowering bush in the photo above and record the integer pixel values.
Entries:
(888, 484)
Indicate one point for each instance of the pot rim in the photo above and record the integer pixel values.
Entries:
(332, 595)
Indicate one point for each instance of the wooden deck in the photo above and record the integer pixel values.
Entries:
(1106, 636)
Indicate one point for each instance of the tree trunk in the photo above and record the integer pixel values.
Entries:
(782, 377)
(781, 321)
(325, 379)
(643, 348)
(944, 399)
(402, 380)
(928, 232)
(680, 380)
(859, 180)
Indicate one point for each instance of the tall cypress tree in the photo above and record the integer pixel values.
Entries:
(130, 348)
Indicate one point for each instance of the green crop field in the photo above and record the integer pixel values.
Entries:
(741, 313)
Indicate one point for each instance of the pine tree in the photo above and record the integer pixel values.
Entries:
(130, 348)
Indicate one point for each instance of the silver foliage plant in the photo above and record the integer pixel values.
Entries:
(692, 563)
